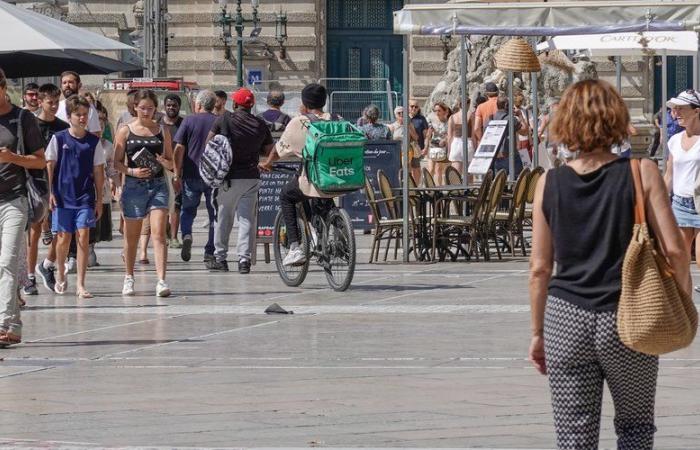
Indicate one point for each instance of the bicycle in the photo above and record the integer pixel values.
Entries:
(326, 234)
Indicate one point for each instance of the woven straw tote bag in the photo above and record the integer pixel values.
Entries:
(654, 316)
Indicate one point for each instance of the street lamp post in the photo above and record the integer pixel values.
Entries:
(226, 22)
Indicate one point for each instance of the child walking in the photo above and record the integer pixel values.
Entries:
(76, 176)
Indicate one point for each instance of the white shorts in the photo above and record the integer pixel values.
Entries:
(457, 152)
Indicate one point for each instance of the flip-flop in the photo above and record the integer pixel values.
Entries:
(46, 237)
(144, 261)
(9, 339)
(60, 288)
(84, 294)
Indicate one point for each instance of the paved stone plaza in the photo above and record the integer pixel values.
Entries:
(419, 355)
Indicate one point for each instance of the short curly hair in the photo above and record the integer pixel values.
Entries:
(591, 116)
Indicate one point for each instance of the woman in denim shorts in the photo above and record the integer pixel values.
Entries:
(683, 167)
(145, 191)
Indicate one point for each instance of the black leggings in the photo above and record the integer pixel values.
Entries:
(289, 197)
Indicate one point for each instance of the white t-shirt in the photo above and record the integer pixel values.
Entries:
(686, 166)
(93, 125)
(51, 153)
(107, 150)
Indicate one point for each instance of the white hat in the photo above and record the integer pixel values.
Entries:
(689, 97)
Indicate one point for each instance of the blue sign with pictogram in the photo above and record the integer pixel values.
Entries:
(254, 77)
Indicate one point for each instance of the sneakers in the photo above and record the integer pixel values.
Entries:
(46, 275)
(295, 257)
(208, 257)
(162, 289)
(31, 288)
(186, 252)
(243, 266)
(128, 289)
(174, 243)
(71, 265)
(697, 288)
(218, 266)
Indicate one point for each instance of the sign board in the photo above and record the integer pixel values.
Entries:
(384, 155)
(488, 147)
(271, 184)
(254, 77)
(627, 44)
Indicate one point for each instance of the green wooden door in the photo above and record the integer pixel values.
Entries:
(680, 77)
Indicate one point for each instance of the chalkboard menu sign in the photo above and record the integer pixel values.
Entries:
(384, 155)
(271, 184)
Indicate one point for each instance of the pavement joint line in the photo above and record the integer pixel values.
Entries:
(103, 328)
(175, 341)
(27, 372)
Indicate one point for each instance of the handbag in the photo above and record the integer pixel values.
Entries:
(654, 315)
(36, 183)
(437, 154)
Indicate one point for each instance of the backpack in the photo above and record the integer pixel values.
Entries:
(278, 126)
(217, 158)
(334, 155)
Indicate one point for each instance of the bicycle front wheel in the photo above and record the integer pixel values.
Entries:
(291, 275)
(339, 248)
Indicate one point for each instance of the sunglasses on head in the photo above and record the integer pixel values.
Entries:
(694, 94)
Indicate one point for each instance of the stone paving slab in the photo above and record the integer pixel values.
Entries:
(413, 356)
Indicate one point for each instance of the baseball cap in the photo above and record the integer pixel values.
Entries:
(243, 97)
(490, 87)
(689, 97)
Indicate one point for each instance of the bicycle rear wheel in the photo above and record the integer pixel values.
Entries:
(339, 248)
(291, 275)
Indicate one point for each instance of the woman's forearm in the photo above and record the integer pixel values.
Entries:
(539, 280)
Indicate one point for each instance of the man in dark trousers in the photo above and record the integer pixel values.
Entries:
(250, 138)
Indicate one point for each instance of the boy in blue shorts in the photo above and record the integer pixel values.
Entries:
(76, 175)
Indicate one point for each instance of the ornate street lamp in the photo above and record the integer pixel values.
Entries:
(281, 33)
(226, 22)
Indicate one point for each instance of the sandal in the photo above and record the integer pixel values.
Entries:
(60, 288)
(7, 338)
(83, 294)
(47, 237)
(144, 261)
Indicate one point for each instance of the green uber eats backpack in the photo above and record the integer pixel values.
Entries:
(334, 155)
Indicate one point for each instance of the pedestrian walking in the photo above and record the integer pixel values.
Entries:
(502, 159)
(485, 110)
(49, 124)
(683, 167)
(436, 142)
(455, 139)
(420, 124)
(142, 150)
(30, 98)
(249, 138)
(103, 227)
(17, 153)
(583, 217)
(190, 141)
(172, 120)
(71, 85)
(76, 177)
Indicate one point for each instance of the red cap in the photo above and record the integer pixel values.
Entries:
(243, 97)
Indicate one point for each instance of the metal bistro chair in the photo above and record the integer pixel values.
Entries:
(535, 175)
(394, 209)
(488, 225)
(382, 226)
(461, 231)
(453, 177)
(510, 224)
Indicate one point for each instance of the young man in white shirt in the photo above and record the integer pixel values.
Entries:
(70, 85)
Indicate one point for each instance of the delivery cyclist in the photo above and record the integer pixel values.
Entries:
(291, 143)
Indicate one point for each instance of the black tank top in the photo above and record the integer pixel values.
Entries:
(591, 218)
(134, 143)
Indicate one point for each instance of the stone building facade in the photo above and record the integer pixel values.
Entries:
(326, 38)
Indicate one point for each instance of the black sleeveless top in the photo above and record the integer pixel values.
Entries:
(591, 218)
(134, 143)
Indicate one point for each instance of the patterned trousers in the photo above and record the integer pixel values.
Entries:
(582, 350)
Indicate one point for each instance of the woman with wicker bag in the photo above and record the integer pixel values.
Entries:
(683, 167)
(583, 219)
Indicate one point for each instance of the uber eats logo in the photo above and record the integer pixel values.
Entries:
(341, 167)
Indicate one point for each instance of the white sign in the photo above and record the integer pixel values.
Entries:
(627, 44)
(488, 147)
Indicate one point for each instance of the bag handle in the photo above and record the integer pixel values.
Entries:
(20, 133)
(639, 211)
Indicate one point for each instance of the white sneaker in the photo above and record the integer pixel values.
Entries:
(128, 288)
(71, 265)
(162, 289)
(295, 257)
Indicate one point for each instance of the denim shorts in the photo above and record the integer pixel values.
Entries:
(140, 196)
(684, 210)
(64, 220)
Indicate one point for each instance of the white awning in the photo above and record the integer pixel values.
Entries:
(676, 43)
(548, 19)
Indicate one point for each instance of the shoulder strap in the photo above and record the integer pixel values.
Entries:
(20, 133)
(281, 118)
(312, 117)
(639, 212)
